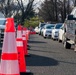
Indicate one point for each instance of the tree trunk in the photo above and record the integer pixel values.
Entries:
(75, 3)
(56, 10)
(64, 10)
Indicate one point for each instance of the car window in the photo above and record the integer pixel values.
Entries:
(58, 26)
(2, 22)
(42, 24)
(50, 27)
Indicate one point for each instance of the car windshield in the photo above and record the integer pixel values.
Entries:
(50, 27)
(2, 22)
(58, 26)
(42, 24)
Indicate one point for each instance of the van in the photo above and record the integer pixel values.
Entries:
(69, 37)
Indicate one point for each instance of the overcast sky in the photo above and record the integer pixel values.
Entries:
(38, 3)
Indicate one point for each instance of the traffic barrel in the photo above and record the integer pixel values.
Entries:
(9, 56)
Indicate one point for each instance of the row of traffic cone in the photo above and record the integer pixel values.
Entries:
(13, 61)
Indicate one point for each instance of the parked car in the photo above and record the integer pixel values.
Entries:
(47, 30)
(70, 30)
(36, 29)
(2, 26)
(40, 27)
(55, 31)
(61, 33)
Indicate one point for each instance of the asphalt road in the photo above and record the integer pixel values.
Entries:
(49, 57)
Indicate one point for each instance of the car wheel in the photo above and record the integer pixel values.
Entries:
(44, 37)
(39, 33)
(59, 40)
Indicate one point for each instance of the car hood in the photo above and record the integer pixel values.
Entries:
(2, 26)
(49, 29)
(56, 30)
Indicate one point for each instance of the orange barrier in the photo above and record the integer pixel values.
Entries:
(9, 57)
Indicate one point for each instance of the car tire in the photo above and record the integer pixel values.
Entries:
(59, 40)
(44, 37)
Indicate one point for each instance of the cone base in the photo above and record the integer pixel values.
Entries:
(28, 45)
(28, 48)
(26, 73)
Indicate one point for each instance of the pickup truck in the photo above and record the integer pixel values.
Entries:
(69, 37)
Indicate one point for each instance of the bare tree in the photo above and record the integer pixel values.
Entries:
(74, 2)
(7, 7)
(25, 11)
(17, 8)
(56, 9)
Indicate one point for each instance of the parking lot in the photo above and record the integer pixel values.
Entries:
(49, 57)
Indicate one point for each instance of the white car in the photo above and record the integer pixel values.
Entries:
(47, 30)
(61, 33)
(55, 31)
(36, 29)
(40, 27)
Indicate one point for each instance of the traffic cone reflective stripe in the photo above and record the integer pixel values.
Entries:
(24, 38)
(9, 57)
(9, 69)
(8, 41)
(19, 34)
(19, 43)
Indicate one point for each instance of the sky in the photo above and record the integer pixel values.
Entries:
(38, 3)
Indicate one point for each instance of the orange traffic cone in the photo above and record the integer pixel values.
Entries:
(24, 41)
(22, 62)
(9, 57)
(26, 35)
